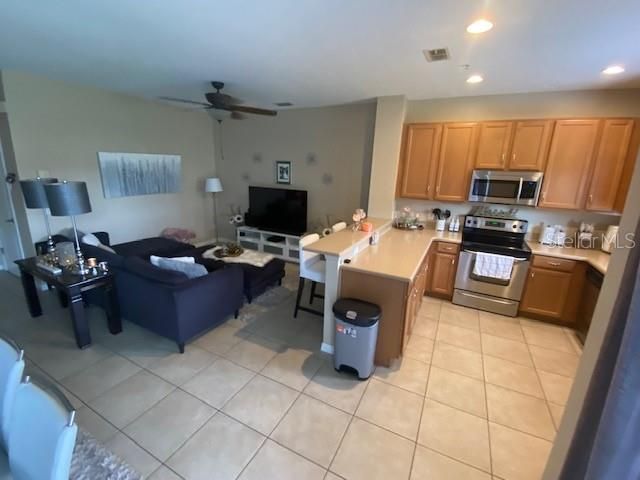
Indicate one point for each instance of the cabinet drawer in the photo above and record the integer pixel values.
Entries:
(446, 247)
(553, 263)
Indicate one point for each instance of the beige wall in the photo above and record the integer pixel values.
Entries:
(59, 128)
(329, 150)
(390, 113)
(584, 103)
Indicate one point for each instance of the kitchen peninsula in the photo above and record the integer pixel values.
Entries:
(336, 248)
(405, 265)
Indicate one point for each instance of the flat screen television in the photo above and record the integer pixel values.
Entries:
(278, 210)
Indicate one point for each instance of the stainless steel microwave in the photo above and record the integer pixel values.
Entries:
(511, 188)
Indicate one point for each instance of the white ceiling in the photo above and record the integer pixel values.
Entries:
(321, 52)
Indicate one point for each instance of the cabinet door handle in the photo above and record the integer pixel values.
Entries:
(544, 195)
(513, 157)
(554, 264)
(502, 157)
(590, 198)
(438, 188)
(533, 274)
(453, 261)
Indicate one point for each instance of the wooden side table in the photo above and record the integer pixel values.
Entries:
(70, 287)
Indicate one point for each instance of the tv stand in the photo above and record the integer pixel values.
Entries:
(280, 245)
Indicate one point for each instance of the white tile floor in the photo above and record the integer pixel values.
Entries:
(477, 395)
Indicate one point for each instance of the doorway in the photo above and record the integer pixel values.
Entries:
(10, 245)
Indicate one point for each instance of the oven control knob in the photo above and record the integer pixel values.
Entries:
(514, 226)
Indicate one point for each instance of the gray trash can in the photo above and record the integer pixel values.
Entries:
(356, 335)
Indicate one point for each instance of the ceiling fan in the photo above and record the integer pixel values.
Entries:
(221, 101)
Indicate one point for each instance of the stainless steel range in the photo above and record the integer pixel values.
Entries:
(493, 262)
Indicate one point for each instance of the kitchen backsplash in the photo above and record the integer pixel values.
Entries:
(536, 217)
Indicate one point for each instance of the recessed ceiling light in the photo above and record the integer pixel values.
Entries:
(475, 79)
(613, 70)
(480, 26)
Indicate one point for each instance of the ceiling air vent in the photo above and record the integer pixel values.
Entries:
(436, 54)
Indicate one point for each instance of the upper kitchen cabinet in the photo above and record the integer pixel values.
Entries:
(493, 145)
(455, 161)
(530, 145)
(569, 162)
(419, 162)
(609, 164)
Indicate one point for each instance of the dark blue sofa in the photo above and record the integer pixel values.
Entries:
(163, 301)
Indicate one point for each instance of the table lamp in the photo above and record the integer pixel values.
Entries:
(35, 197)
(68, 199)
(213, 185)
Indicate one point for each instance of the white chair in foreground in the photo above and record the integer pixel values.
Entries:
(42, 432)
(312, 267)
(11, 369)
(338, 227)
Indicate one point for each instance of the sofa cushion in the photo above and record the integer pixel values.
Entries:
(162, 247)
(191, 270)
(144, 269)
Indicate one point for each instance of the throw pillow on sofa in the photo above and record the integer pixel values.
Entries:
(191, 270)
(154, 259)
(91, 239)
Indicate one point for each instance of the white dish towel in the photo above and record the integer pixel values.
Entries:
(493, 266)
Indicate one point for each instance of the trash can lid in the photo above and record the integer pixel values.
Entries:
(357, 312)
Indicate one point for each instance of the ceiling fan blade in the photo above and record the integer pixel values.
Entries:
(254, 110)
(182, 100)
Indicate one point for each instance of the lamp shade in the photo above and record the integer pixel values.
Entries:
(67, 198)
(33, 192)
(213, 185)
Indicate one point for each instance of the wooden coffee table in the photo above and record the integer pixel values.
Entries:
(70, 287)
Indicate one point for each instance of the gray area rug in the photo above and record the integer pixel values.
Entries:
(92, 461)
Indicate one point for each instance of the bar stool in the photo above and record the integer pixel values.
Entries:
(312, 267)
(339, 226)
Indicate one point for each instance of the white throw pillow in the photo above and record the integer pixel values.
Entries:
(91, 239)
(155, 260)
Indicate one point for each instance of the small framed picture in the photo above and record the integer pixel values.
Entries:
(283, 172)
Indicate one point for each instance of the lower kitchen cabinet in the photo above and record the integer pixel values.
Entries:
(553, 290)
(442, 265)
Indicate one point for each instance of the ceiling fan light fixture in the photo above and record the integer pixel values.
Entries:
(480, 26)
(475, 79)
(613, 70)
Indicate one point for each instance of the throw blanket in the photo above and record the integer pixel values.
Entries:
(493, 266)
(250, 257)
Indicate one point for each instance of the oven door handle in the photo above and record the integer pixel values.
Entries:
(515, 260)
(486, 188)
